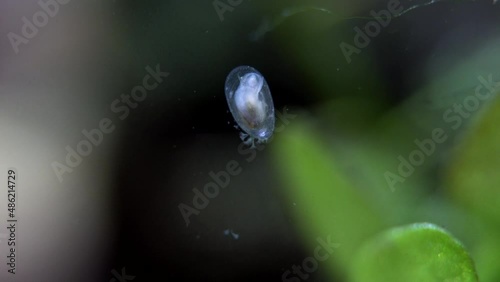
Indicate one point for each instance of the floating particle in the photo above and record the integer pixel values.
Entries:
(228, 232)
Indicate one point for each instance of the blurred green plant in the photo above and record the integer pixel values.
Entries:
(333, 165)
(417, 252)
(328, 201)
(472, 181)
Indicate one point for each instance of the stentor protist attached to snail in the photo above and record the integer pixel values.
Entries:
(251, 104)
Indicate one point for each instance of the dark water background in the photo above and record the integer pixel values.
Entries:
(125, 197)
(188, 131)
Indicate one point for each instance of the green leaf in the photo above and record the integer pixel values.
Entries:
(417, 252)
(325, 202)
(472, 181)
(472, 178)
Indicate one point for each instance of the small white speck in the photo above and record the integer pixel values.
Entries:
(232, 233)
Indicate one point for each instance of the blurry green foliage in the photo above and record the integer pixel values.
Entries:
(334, 173)
(326, 201)
(472, 177)
(418, 252)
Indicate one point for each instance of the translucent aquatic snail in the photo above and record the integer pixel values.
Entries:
(251, 104)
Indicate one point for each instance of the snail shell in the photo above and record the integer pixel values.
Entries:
(250, 102)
